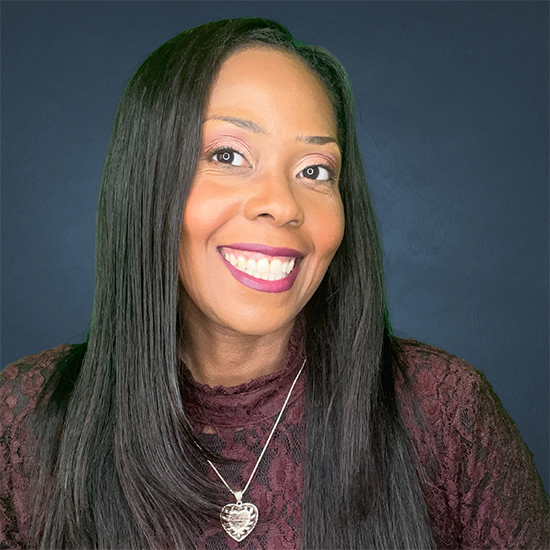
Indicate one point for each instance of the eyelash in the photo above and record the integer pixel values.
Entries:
(223, 149)
(331, 173)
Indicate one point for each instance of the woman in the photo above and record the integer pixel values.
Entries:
(240, 387)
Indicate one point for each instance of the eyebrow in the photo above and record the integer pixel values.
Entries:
(317, 140)
(241, 123)
(253, 127)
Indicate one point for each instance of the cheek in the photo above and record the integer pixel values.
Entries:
(208, 208)
(195, 227)
(329, 229)
(197, 216)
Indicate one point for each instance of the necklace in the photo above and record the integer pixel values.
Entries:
(239, 519)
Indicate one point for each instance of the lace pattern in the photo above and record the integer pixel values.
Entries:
(241, 418)
(482, 488)
(20, 386)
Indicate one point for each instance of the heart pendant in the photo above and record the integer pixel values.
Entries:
(238, 520)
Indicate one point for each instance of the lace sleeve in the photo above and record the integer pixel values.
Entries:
(482, 488)
(20, 386)
(504, 504)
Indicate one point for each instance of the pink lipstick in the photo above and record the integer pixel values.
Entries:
(262, 285)
(267, 250)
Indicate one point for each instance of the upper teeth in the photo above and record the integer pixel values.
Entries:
(262, 268)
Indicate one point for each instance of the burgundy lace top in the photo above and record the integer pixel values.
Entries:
(483, 492)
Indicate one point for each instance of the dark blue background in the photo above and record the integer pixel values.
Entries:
(452, 121)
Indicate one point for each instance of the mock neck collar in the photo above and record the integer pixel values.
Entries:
(249, 403)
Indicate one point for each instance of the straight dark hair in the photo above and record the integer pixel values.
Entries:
(119, 464)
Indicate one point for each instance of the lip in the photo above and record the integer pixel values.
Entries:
(282, 285)
(267, 250)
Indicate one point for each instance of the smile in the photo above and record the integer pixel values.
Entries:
(260, 266)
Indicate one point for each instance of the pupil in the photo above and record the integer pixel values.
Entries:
(312, 172)
(226, 156)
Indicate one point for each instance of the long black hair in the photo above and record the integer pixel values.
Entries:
(119, 459)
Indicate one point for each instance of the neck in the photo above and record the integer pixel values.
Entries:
(218, 356)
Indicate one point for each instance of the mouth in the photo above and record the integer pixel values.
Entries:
(263, 268)
(260, 266)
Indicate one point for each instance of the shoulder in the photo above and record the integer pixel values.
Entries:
(435, 386)
(445, 400)
(21, 382)
(481, 484)
(43, 360)
(426, 368)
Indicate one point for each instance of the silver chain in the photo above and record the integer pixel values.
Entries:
(239, 494)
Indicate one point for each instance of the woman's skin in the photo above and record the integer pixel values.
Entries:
(268, 119)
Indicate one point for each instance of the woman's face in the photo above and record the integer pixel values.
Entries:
(264, 216)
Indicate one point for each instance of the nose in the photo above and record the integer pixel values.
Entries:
(274, 199)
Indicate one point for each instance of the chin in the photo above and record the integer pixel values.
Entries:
(258, 325)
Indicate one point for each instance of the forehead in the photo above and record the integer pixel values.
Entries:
(271, 82)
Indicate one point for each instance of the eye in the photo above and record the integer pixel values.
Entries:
(229, 156)
(317, 172)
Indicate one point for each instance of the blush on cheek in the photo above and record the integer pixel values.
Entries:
(330, 231)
